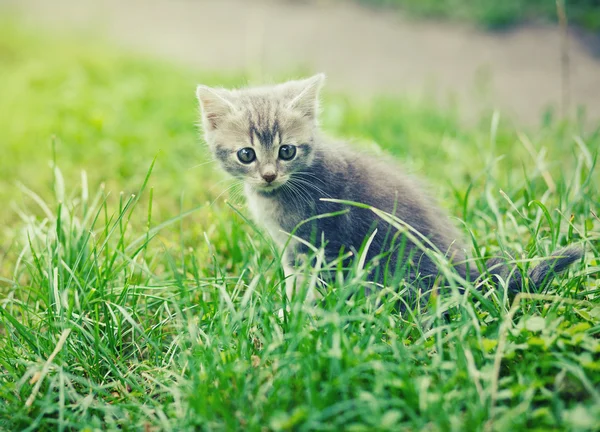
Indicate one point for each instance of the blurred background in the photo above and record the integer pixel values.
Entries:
(510, 55)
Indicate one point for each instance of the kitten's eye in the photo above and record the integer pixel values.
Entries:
(246, 155)
(287, 152)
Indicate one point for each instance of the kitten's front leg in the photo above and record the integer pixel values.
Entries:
(295, 280)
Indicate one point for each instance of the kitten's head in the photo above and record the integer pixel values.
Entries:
(262, 135)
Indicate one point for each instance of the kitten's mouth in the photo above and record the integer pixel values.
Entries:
(269, 187)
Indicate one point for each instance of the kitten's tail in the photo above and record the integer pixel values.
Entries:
(538, 276)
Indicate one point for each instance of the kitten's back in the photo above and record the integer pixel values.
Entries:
(386, 186)
(366, 179)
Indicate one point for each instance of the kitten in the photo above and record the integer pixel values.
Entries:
(269, 137)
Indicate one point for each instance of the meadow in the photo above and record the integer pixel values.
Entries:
(135, 293)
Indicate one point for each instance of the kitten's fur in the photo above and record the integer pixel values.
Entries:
(265, 118)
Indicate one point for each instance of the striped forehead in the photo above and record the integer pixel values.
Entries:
(263, 125)
(267, 136)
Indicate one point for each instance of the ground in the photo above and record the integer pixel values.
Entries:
(134, 296)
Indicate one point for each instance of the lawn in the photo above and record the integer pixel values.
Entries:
(136, 295)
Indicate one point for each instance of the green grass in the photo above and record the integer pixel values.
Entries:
(157, 308)
(494, 14)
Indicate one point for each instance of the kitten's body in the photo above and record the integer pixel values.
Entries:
(269, 137)
(340, 173)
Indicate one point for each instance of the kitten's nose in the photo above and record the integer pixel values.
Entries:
(269, 176)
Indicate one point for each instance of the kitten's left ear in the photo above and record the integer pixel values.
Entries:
(305, 95)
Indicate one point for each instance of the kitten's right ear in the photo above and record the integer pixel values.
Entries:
(214, 105)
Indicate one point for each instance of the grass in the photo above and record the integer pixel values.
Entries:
(493, 14)
(156, 308)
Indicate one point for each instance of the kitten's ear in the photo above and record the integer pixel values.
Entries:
(214, 105)
(305, 95)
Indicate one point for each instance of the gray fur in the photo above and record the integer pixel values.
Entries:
(266, 118)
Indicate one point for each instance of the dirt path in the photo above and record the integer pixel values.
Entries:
(361, 50)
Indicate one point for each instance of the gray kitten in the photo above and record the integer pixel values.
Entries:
(269, 137)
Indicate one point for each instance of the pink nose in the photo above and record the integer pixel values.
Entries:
(269, 177)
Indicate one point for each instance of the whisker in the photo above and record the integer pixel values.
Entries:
(238, 183)
(313, 186)
(309, 174)
(297, 192)
(203, 163)
(237, 196)
(305, 197)
(222, 181)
